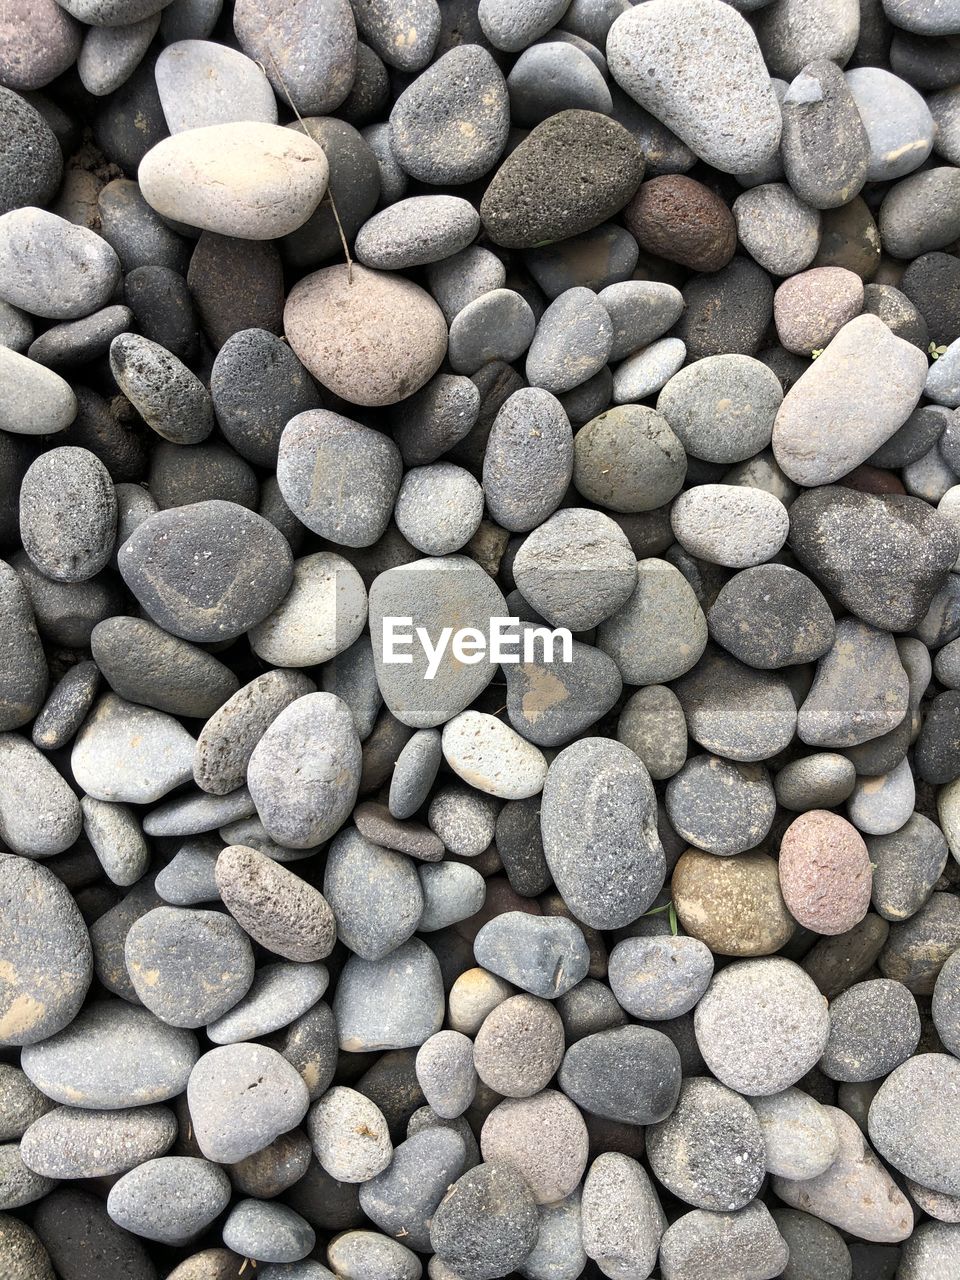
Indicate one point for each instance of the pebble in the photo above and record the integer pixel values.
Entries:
(489, 755)
(38, 43)
(487, 1222)
(117, 839)
(917, 949)
(545, 956)
(726, 412)
(267, 1232)
(169, 398)
(573, 340)
(660, 633)
(498, 325)
(630, 1074)
(392, 1003)
(308, 52)
(110, 55)
(733, 904)
(729, 524)
(750, 1028)
(659, 978)
(653, 726)
(799, 1137)
(68, 1142)
(112, 1055)
(32, 166)
(777, 229)
(646, 372)
(171, 1199)
(450, 125)
(529, 460)
(130, 754)
(241, 1097)
(720, 806)
(371, 928)
(812, 308)
(552, 76)
(680, 219)
(278, 909)
(801, 629)
(446, 1073)
(405, 333)
(569, 174)
(912, 1123)
(825, 147)
(881, 805)
(53, 268)
(734, 711)
(320, 617)
(438, 508)
(738, 128)
(416, 231)
(898, 123)
(142, 663)
(696, 1244)
(451, 893)
(825, 872)
(202, 84)
(874, 1027)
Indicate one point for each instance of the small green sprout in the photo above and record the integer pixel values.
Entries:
(817, 351)
(935, 351)
(671, 915)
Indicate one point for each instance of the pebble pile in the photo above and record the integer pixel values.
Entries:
(640, 959)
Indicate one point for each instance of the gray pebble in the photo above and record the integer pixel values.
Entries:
(651, 462)
(498, 325)
(276, 908)
(267, 1232)
(552, 77)
(16, 329)
(21, 1103)
(820, 781)
(514, 28)
(393, 1003)
(24, 679)
(652, 725)
(799, 1136)
(645, 372)
(68, 514)
(543, 955)
(733, 711)
(143, 664)
(622, 1221)
(640, 311)
(403, 34)
(777, 229)
(446, 1073)
(659, 978)
(438, 508)
(72, 1143)
(729, 524)
(193, 814)
(874, 1027)
(349, 1135)
(54, 268)
(310, 1045)
(771, 616)
(860, 691)
(78, 341)
(201, 83)
(280, 993)
(112, 1055)
(725, 411)
(825, 147)
(22, 1251)
(36, 401)
(416, 231)
(171, 1199)
(130, 754)
(321, 615)
(371, 927)
(660, 633)
(429, 423)
(630, 1074)
(544, 1138)
(19, 1185)
(110, 55)
(721, 806)
(402, 1199)
(571, 344)
(32, 163)
(486, 1224)
(882, 804)
(414, 773)
(368, 1253)
(463, 819)
(519, 1046)
(696, 1245)
(169, 398)
(912, 1124)
(898, 123)
(451, 892)
(463, 278)
(791, 37)
(117, 838)
(241, 1097)
(308, 52)
(550, 704)
(375, 822)
(39, 813)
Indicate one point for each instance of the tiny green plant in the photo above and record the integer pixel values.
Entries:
(816, 352)
(671, 915)
(935, 350)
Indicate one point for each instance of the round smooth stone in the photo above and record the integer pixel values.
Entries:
(276, 908)
(404, 333)
(463, 278)
(571, 173)
(900, 129)
(414, 773)
(117, 839)
(47, 953)
(919, 213)
(529, 460)
(36, 401)
(643, 374)
(208, 571)
(110, 55)
(860, 691)
(729, 524)
(550, 703)
(142, 663)
(498, 325)
(112, 1055)
(725, 411)
(130, 754)
(733, 904)
(881, 805)
(315, 734)
(403, 1198)
(276, 1168)
(250, 180)
(227, 740)
(874, 1027)
(171, 1199)
(710, 1151)
(543, 955)
(438, 508)
(70, 1143)
(78, 341)
(308, 51)
(640, 311)
(53, 268)
(489, 755)
(621, 1218)
(599, 814)
(736, 128)
(417, 231)
(32, 164)
(544, 1138)
(436, 418)
(680, 219)
(463, 819)
(721, 806)
(446, 1073)
(21, 1103)
(369, 926)
(659, 978)
(572, 341)
(700, 1241)
(519, 1046)
(512, 29)
(650, 460)
(825, 872)
(323, 613)
(779, 231)
(761, 1025)
(201, 84)
(487, 1222)
(652, 725)
(451, 893)
(736, 712)
(820, 781)
(214, 964)
(241, 1097)
(375, 821)
(800, 1139)
(450, 125)
(268, 1232)
(810, 310)
(629, 1074)
(912, 1124)
(393, 1003)
(799, 628)
(660, 633)
(917, 949)
(39, 41)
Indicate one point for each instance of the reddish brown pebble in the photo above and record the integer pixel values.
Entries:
(683, 221)
(825, 872)
(869, 479)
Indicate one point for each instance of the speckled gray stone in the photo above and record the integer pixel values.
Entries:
(543, 955)
(519, 1046)
(268, 1232)
(429, 423)
(659, 978)
(825, 148)
(371, 927)
(898, 123)
(913, 1125)
(117, 838)
(170, 1199)
(69, 1142)
(747, 1241)
(798, 628)
(498, 325)
(417, 231)
(39, 813)
(169, 398)
(630, 1074)
(451, 892)
(53, 268)
(241, 1097)
(446, 1073)
(660, 632)
(550, 703)
(278, 909)
(650, 460)
(528, 462)
(721, 806)
(438, 508)
(21, 1103)
(622, 1220)
(730, 525)
(130, 754)
(544, 1138)
(645, 372)
(860, 691)
(487, 1223)
(554, 76)
(349, 1135)
(640, 311)
(820, 781)
(722, 409)
(414, 773)
(142, 663)
(799, 1136)
(652, 725)
(201, 83)
(572, 342)
(393, 1003)
(777, 229)
(402, 1199)
(112, 1055)
(874, 1027)
(733, 711)
(37, 401)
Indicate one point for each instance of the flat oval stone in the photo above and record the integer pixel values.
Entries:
(800, 1139)
(645, 372)
(761, 1025)
(250, 180)
(68, 1142)
(201, 84)
(720, 806)
(660, 633)
(598, 813)
(825, 872)
(169, 398)
(697, 1243)
(733, 904)
(735, 711)
(24, 679)
(730, 525)
(349, 1135)
(308, 50)
(404, 1196)
(313, 737)
(36, 401)
(416, 231)
(874, 1027)
(659, 978)
(860, 690)
(241, 1097)
(621, 1218)
(640, 311)
(110, 55)
(404, 333)
(912, 1124)
(651, 461)
(449, 591)
(112, 1055)
(736, 128)
(489, 755)
(572, 342)
(268, 1231)
(572, 172)
(528, 461)
(39, 813)
(850, 402)
(543, 955)
(512, 29)
(652, 724)
(680, 219)
(819, 781)
(393, 1003)
(53, 268)
(371, 927)
(498, 325)
(208, 571)
(130, 754)
(629, 1074)
(544, 1138)
(322, 614)
(47, 953)
(799, 629)
(142, 663)
(725, 411)
(276, 908)
(279, 994)
(39, 42)
(450, 125)
(899, 126)
(171, 1199)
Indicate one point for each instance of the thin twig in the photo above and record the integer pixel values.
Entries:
(333, 203)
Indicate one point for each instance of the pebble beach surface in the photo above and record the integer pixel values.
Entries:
(479, 639)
